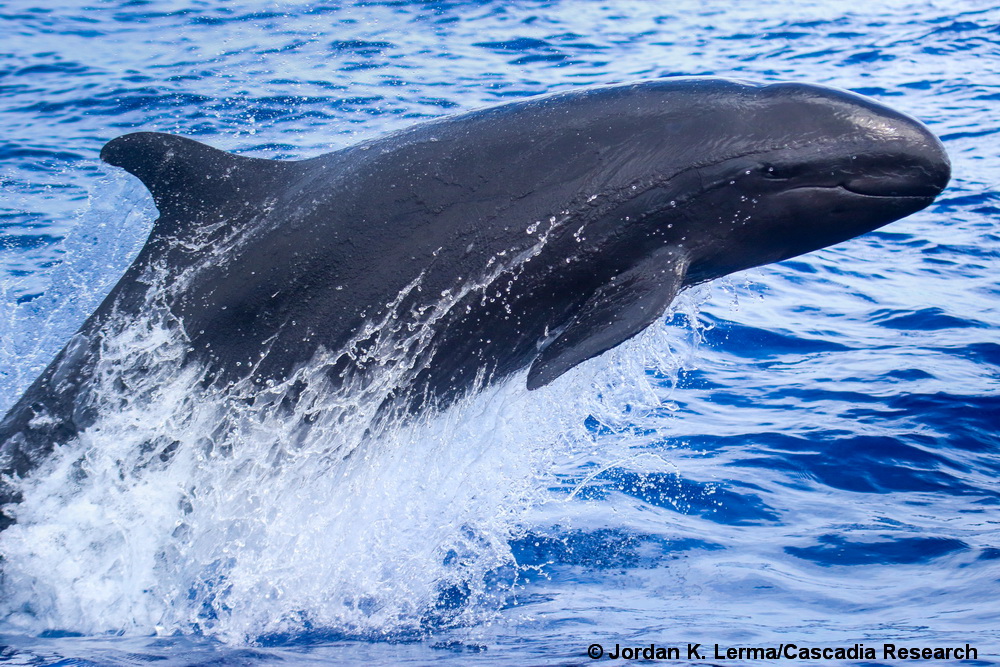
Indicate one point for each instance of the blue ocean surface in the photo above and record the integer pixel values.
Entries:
(804, 454)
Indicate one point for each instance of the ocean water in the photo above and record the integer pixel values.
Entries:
(805, 453)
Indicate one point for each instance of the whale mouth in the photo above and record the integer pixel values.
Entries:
(921, 171)
(894, 186)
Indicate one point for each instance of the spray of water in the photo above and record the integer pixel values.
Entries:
(105, 238)
(244, 512)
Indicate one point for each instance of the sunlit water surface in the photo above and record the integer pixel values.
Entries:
(805, 453)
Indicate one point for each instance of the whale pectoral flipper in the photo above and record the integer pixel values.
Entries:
(626, 305)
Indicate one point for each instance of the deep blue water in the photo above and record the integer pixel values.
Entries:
(806, 453)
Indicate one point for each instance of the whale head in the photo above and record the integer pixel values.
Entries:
(706, 177)
(786, 169)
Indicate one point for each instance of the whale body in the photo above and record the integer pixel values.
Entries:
(534, 235)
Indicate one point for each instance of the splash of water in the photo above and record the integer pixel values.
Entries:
(244, 512)
(106, 236)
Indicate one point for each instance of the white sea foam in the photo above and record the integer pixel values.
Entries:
(185, 508)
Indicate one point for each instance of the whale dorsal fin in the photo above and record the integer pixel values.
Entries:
(189, 180)
(614, 313)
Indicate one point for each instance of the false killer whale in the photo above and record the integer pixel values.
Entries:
(534, 235)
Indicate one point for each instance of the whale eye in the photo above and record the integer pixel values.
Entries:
(780, 172)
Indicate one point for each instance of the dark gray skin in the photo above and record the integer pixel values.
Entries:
(641, 190)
